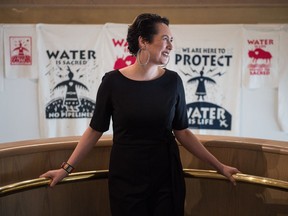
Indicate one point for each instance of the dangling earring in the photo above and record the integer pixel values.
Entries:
(138, 56)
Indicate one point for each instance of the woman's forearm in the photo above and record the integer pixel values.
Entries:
(190, 142)
(85, 145)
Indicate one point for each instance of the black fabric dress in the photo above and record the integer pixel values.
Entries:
(145, 172)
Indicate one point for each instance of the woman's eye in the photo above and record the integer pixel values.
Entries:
(166, 38)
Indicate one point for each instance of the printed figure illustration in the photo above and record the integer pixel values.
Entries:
(201, 89)
(20, 50)
(259, 54)
(71, 100)
(202, 80)
(71, 79)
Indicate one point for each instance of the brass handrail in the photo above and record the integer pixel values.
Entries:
(103, 174)
(239, 177)
(44, 182)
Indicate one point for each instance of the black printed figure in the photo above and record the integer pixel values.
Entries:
(71, 98)
(201, 89)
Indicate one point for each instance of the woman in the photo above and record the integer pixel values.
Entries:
(148, 109)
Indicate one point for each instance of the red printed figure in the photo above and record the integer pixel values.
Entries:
(20, 50)
(259, 54)
(124, 62)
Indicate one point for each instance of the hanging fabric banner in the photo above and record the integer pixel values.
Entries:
(208, 60)
(70, 74)
(115, 53)
(283, 83)
(260, 56)
(1, 59)
(116, 50)
(20, 51)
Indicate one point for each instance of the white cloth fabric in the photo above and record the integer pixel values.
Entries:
(115, 47)
(70, 74)
(1, 60)
(20, 51)
(260, 56)
(212, 60)
(207, 57)
(283, 83)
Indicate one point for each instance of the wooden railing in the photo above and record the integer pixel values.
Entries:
(100, 174)
(261, 187)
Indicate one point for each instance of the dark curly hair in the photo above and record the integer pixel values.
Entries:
(144, 25)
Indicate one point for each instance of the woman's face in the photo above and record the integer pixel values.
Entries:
(161, 45)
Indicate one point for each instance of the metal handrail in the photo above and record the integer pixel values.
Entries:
(239, 177)
(103, 174)
(44, 182)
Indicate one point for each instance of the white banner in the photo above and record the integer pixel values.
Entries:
(20, 51)
(115, 54)
(1, 59)
(70, 74)
(260, 56)
(283, 83)
(207, 58)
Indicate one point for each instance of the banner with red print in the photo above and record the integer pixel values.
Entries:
(283, 81)
(69, 76)
(207, 57)
(1, 60)
(115, 54)
(260, 56)
(20, 51)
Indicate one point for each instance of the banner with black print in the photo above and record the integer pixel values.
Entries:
(207, 57)
(69, 76)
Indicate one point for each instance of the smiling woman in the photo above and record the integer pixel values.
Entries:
(146, 102)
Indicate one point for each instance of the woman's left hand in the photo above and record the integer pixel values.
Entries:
(229, 172)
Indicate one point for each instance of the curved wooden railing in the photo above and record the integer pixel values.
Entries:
(103, 174)
(262, 192)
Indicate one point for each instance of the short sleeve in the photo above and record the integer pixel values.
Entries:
(180, 120)
(103, 109)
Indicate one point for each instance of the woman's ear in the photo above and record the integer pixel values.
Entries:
(142, 42)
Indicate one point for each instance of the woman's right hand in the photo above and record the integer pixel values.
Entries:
(86, 143)
(55, 176)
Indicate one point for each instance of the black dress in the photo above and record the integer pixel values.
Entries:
(145, 172)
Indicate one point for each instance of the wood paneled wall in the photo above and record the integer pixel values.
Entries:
(124, 11)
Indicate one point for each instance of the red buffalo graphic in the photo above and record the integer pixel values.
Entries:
(123, 62)
(259, 54)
